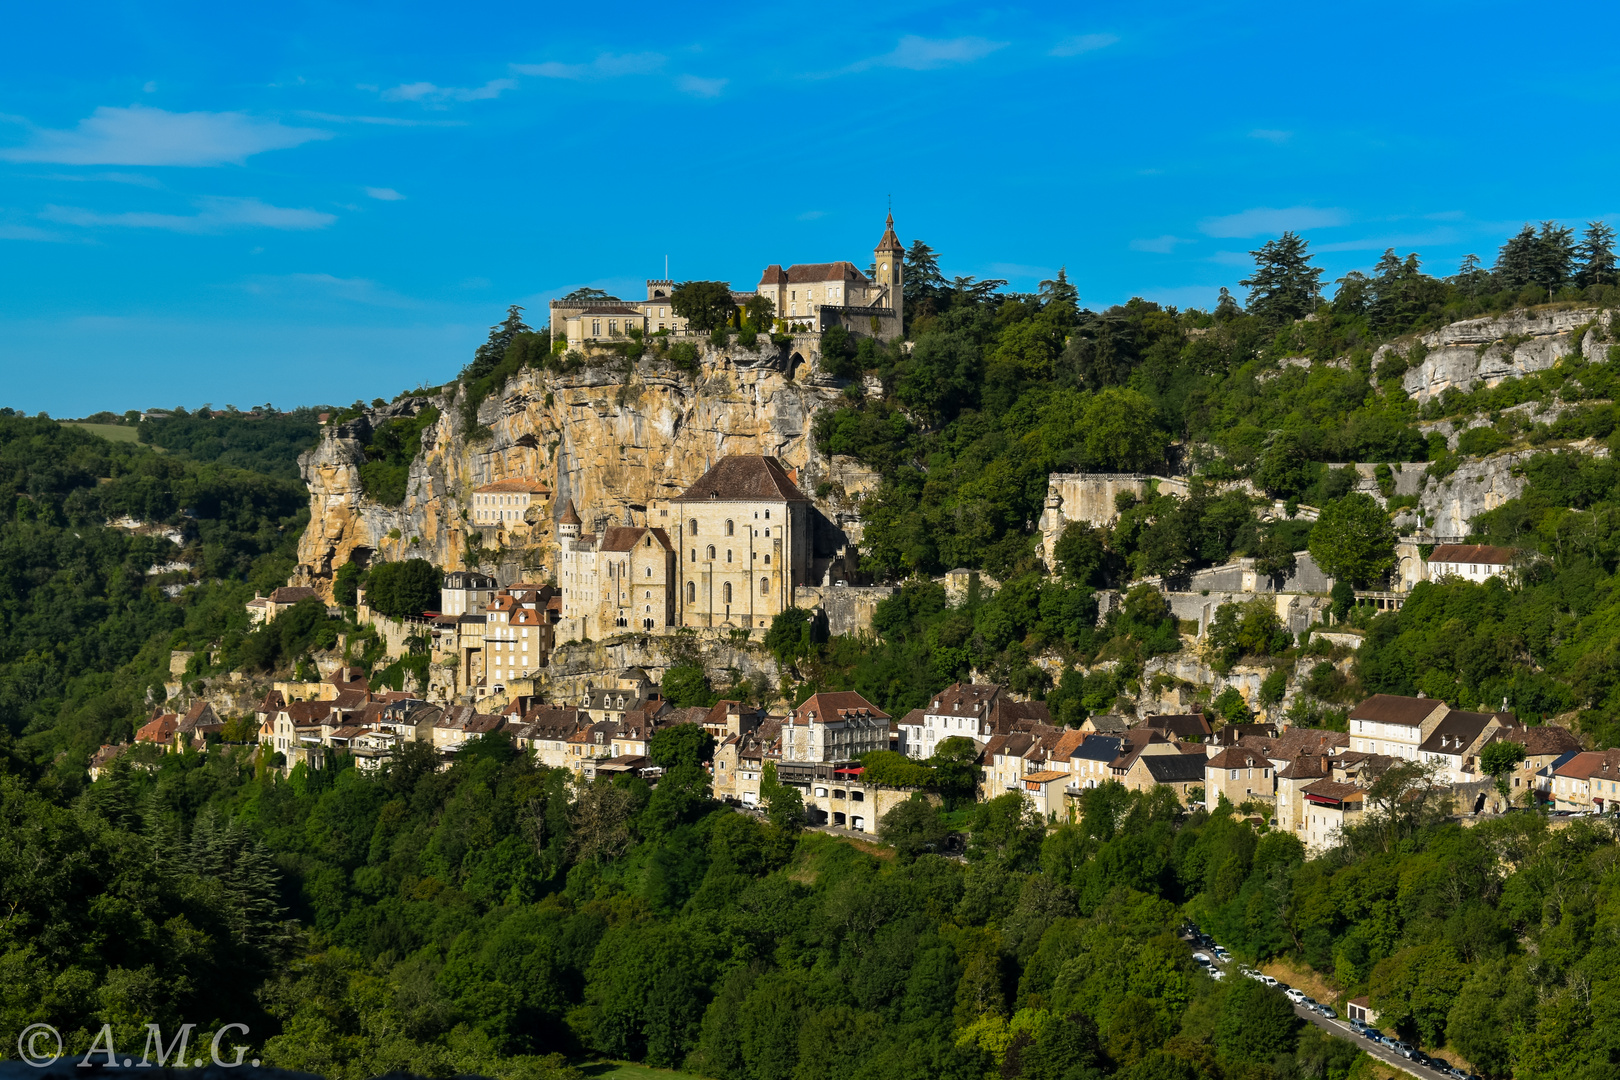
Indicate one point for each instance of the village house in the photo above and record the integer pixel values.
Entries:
(465, 592)
(1329, 806)
(833, 727)
(1471, 562)
(1239, 775)
(1089, 762)
(1181, 772)
(1588, 782)
(1190, 727)
(1455, 743)
(740, 759)
(1546, 747)
(1393, 725)
(103, 758)
(264, 609)
(1046, 791)
(971, 710)
(505, 504)
(1105, 724)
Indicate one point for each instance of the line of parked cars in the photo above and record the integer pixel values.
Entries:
(1207, 953)
(1410, 1052)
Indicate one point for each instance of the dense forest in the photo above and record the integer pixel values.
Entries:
(480, 920)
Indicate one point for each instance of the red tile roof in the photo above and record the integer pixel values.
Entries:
(625, 537)
(1394, 709)
(1472, 553)
(514, 484)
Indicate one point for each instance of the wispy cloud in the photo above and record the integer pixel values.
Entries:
(136, 179)
(329, 286)
(427, 93)
(214, 214)
(386, 194)
(381, 121)
(139, 135)
(1231, 258)
(1266, 219)
(925, 54)
(1271, 135)
(1159, 245)
(700, 87)
(1084, 43)
(29, 232)
(605, 66)
(1407, 241)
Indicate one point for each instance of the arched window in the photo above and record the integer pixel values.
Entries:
(728, 554)
(730, 528)
(691, 592)
(726, 592)
(694, 554)
(711, 552)
(764, 586)
(649, 571)
(693, 526)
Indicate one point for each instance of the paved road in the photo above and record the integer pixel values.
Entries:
(1343, 1030)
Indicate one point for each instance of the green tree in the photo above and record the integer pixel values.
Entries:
(1122, 432)
(1353, 540)
(1596, 253)
(784, 804)
(1081, 554)
(1256, 1023)
(687, 685)
(490, 354)
(681, 744)
(956, 770)
(1284, 285)
(759, 311)
(914, 828)
(705, 305)
(403, 589)
(1498, 759)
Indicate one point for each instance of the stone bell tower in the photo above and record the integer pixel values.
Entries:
(889, 259)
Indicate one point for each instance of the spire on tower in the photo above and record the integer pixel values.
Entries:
(890, 242)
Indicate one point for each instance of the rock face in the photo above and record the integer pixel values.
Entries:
(1475, 351)
(613, 437)
(1449, 503)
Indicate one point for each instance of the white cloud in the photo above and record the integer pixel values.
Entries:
(1084, 43)
(1266, 219)
(429, 94)
(214, 214)
(700, 87)
(140, 135)
(385, 121)
(149, 88)
(1271, 135)
(386, 194)
(605, 66)
(1406, 241)
(329, 286)
(136, 179)
(1232, 258)
(925, 54)
(1160, 245)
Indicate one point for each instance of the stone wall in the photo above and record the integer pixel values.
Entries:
(849, 608)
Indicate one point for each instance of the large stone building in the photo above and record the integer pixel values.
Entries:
(744, 541)
(614, 582)
(814, 296)
(505, 504)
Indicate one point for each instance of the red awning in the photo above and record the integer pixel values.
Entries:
(850, 772)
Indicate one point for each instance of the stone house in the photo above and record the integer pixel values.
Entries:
(1456, 741)
(465, 592)
(505, 504)
(1329, 806)
(834, 727)
(1046, 791)
(1394, 725)
(1471, 562)
(820, 296)
(972, 710)
(1588, 781)
(265, 608)
(1181, 772)
(740, 759)
(1191, 727)
(1240, 774)
(614, 582)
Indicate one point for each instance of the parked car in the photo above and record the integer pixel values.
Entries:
(1372, 1034)
(1308, 1001)
(1201, 957)
(1327, 1012)
(1217, 974)
(1404, 1049)
(1222, 955)
(1296, 996)
(1269, 981)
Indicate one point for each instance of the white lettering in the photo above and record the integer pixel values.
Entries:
(112, 1055)
(213, 1047)
(155, 1034)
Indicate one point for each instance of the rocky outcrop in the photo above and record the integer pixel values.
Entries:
(1451, 502)
(613, 437)
(1486, 351)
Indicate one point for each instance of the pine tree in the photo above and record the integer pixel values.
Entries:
(1226, 307)
(1597, 256)
(1516, 261)
(493, 351)
(1472, 279)
(1060, 300)
(1554, 256)
(1284, 286)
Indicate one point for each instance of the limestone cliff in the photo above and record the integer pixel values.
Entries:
(614, 437)
(1474, 351)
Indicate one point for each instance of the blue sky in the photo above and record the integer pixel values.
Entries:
(301, 203)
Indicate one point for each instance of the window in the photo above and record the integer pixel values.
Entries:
(711, 552)
(596, 328)
(726, 592)
(764, 586)
(767, 515)
(649, 571)
(731, 529)
(692, 526)
(728, 554)
(767, 560)
(691, 592)
(767, 531)
(613, 326)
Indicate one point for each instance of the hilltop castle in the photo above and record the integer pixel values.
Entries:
(811, 297)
